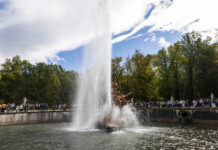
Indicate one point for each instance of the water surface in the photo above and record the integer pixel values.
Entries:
(60, 137)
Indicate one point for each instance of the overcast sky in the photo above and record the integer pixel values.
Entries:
(56, 30)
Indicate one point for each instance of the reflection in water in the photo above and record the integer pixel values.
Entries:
(54, 136)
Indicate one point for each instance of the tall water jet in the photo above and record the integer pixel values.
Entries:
(93, 100)
(93, 106)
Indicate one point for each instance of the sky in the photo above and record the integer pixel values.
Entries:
(56, 31)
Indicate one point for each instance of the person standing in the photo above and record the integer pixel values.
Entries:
(3, 107)
(8, 108)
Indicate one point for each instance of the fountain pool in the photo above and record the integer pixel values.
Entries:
(154, 136)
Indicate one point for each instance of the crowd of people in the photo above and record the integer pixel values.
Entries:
(30, 107)
(147, 104)
(179, 103)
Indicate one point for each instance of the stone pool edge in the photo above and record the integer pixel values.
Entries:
(35, 117)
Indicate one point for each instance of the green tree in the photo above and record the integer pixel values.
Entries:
(200, 65)
(176, 70)
(162, 62)
(40, 83)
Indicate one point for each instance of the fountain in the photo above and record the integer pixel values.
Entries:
(94, 102)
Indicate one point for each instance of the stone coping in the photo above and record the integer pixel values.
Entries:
(179, 108)
(34, 111)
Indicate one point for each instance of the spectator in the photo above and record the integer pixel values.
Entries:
(17, 108)
(8, 108)
(21, 107)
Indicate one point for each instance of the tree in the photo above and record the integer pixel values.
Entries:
(176, 70)
(40, 83)
(138, 77)
(162, 62)
(117, 69)
(200, 65)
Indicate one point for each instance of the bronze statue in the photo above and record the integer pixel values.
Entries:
(118, 100)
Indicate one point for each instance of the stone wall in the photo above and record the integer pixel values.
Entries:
(198, 116)
(34, 117)
(174, 115)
